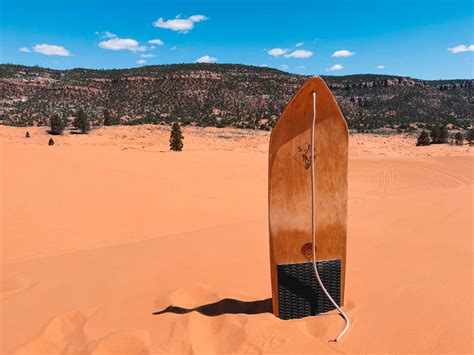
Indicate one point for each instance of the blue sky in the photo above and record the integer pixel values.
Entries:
(427, 39)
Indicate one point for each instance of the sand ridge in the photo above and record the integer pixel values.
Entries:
(111, 244)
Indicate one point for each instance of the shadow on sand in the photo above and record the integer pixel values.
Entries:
(225, 306)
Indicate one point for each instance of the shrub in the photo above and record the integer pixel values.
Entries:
(176, 138)
(81, 122)
(459, 138)
(108, 119)
(439, 134)
(51, 141)
(56, 124)
(27, 135)
(470, 136)
(423, 139)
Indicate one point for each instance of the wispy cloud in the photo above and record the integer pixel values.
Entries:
(24, 50)
(299, 44)
(108, 34)
(462, 48)
(156, 41)
(335, 67)
(179, 24)
(299, 53)
(300, 67)
(276, 52)
(264, 65)
(51, 49)
(284, 66)
(118, 44)
(343, 53)
(206, 59)
(380, 66)
(141, 61)
(147, 56)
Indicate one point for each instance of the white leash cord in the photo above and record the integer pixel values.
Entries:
(313, 227)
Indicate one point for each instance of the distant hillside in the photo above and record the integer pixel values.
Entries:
(223, 95)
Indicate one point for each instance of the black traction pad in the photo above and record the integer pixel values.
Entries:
(299, 294)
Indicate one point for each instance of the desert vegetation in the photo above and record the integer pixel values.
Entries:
(222, 95)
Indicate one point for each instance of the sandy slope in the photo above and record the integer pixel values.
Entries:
(100, 231)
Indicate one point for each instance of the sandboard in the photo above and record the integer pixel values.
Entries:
(295, 292)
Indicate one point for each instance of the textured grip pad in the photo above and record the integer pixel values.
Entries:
(299, 294)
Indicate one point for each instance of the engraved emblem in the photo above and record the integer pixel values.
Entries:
(303, 155)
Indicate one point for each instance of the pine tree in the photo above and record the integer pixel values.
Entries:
(51, 141)
(423, 139)
(176, 138)
(459, 138)
(81, 122)
(56, 124)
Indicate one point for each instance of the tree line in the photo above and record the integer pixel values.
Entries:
(439, 134)
(82, 123)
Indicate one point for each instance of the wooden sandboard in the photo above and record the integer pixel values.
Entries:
(295, 292)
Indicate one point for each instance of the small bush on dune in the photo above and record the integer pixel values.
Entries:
(27, 135)
(51, 141)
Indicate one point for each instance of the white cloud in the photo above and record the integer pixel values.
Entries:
(264, 65)
(284, 66)
(206, 59)
(179, 24)
(24, 50)
(117, 44)
(276, 52)
(141, 61)
(336, 67)
(299, 44)
(173, 48)
(343, 53)
(157, 41)
(300, 67)
(51, 49)
(380, 66)
(299, 53)
(462, 48)
(108, 34)
(147, 56)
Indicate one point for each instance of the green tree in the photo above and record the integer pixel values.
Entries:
(470, 136)
(459, 138)
(56, 124)
(81, 122)
(176, 138)
(108, 119)
(51, 141)
(439, 134)
(423, 139)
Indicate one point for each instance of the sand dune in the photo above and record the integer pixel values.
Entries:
(113, 245)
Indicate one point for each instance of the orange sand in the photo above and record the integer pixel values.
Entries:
(100, 231)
